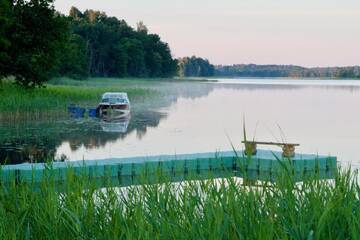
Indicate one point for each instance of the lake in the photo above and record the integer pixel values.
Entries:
(199, 116)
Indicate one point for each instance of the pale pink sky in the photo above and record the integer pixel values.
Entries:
(300, 32)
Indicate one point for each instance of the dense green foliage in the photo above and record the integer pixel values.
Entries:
(194, 67)
(5, 23)
(102, 46)
(32, 36)
(37, 43)
(253, 70)
(204, 209)
(16, 102)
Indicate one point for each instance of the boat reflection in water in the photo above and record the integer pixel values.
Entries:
(116, 125)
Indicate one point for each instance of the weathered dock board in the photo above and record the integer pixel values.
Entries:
(126, 171)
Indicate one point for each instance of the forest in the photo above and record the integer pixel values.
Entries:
(38, 43)
(195, 67)
(292, 71)
(102, 46)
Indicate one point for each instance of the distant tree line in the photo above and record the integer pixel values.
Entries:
(37, 43)
(198, 67)
(253, 70)
(195, 67)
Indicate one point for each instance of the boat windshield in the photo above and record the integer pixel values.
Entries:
(121, 100)
(114, 100)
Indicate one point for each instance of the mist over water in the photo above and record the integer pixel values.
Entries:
(189, 117)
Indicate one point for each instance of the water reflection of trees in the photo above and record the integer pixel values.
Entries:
(27, 150)
(38, 141)
(90, 134)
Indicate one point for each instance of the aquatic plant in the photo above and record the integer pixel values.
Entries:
(16, 102)
(221, 208)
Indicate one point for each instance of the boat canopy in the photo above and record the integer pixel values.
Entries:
(115, 95)
(115, 98)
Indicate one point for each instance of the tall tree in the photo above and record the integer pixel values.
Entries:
(114, 49)
(135, 53)
(140, 27)
(37, 36)
(75, 13)
(73, 58)
(5, 42)
(195, 67)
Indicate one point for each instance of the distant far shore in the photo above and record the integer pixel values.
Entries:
(286, 71)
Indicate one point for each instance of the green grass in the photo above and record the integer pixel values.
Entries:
(204, 209)
(57, 95)
(96, 81)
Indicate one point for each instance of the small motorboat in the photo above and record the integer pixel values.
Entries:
(114, 105)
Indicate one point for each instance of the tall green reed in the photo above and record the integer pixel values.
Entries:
(220, 208)
(18, 103)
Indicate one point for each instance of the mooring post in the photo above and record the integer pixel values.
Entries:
(250, 148)
(288, 150)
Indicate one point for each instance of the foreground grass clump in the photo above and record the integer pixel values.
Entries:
(53, 99)
(204, 209)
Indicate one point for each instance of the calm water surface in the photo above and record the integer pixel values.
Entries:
(188, 117)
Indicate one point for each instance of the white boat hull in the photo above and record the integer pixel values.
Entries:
(113, 113)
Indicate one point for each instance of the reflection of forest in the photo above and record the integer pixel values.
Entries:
(38, 141)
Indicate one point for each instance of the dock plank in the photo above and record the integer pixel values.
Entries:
(264, 162)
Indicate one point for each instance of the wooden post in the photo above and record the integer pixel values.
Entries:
(250, 148)
(288, 150)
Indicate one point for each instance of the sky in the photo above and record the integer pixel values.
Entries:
(309, 33)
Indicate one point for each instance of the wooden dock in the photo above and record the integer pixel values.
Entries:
(127, 171)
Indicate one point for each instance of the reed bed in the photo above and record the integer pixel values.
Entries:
(17, 103)
(103, 82)
(198, 209)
